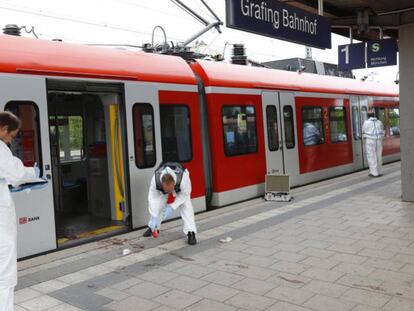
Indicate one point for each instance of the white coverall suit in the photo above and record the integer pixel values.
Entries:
(373, 132)
(12, 172)
(158, 200)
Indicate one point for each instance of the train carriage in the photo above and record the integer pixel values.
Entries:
(99, 121)
(280, 104)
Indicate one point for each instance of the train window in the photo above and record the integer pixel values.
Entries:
(175, 133)
(144, 136)
(337, 122)
(312, 123)
(69, 133)
(239, 126)
(289, 127)
(272, 130)
(380, 114)
(27, 144)
(356, 124)
(394, 120)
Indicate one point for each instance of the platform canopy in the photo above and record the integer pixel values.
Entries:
(366, 17)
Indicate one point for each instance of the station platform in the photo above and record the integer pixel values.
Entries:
(341, 244)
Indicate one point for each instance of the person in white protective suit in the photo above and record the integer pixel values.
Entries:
(170, 189)
(373, 132)
(12, 172)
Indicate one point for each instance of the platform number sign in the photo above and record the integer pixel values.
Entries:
(351, 56)
(345, 50)
(376, 54)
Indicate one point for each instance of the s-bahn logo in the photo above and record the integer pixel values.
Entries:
(376, 47)
(26, 220)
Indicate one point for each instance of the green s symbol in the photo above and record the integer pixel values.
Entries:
(375, 47)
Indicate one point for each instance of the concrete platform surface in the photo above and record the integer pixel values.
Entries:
(342, 244)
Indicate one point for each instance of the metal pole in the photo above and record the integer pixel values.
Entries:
(320, 7)
(381, 33)
(211, 11)
(308, 50)
(190, 11)
(202, 31)
(351, 34)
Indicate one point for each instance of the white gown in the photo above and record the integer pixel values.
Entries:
(12, 172)
(157, 200)
(373, 132)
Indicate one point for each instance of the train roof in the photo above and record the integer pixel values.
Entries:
(237, 76)
(34, 56)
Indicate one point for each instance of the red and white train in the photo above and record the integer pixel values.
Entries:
(99, 121)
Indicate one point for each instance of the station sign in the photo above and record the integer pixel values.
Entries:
(275, 19)
(381, 53)
(351, 56)
(372, 54)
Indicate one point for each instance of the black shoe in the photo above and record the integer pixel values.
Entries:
(191, 238)
(147, 233)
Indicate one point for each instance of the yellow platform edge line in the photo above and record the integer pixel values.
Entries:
(90, 233)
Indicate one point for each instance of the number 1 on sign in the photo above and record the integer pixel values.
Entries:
(346, 51)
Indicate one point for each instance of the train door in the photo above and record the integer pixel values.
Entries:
(289, 137)
(272, 133)
(26, 97)
(357, 142)
(363, 105)
(87, 160)
(144, 145)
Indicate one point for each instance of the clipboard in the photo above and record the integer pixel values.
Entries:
(37, 184)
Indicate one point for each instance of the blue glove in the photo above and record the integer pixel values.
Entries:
(36, 170)
(153, 223)
(168, 210)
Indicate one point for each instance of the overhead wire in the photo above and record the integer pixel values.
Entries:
(202, 9)
(152, 9)
(31, 11)
(75, 20)
(189, 12)
(53, 37)
(89, 42)
(211, 43)
(32, 31)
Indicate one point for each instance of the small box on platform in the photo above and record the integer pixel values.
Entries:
(277, 188)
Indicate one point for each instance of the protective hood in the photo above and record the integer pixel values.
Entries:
(168, 171)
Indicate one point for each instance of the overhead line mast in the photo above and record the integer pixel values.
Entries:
(207, 25)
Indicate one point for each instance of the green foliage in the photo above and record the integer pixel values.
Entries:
(72, 126)
(394, 118)
(76, 132)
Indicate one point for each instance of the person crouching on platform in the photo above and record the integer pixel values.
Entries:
(171, 189)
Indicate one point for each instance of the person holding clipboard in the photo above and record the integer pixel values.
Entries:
(14, 173)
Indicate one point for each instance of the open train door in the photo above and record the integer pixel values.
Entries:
(25, 96)
(143, 134)
(272, 133)
(357, 141)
